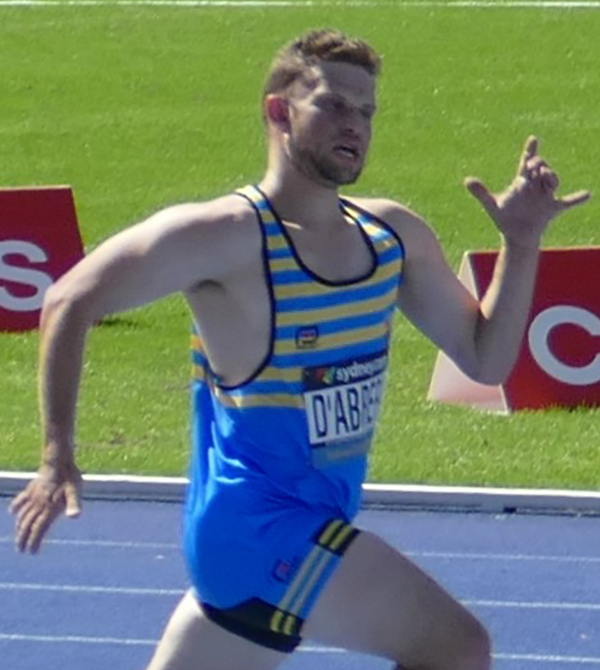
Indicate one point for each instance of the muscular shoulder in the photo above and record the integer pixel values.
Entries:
(415, 233)
(229, 216)
(221, 233)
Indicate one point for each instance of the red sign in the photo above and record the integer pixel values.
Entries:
(559, 362)
(39, 241)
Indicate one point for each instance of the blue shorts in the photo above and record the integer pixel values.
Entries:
(258, 576)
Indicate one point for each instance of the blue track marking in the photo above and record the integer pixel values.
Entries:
(103, 587)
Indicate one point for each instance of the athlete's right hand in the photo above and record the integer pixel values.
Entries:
(56, 489)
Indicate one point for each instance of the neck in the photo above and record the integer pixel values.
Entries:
(298, 198)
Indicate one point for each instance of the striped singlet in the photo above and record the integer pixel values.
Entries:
(279, 460)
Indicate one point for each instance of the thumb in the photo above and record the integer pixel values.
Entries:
(73, 500)
(480, 192)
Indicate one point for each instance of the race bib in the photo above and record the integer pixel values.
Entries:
(342, 404)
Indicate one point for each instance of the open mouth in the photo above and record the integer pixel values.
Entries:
(348, 151)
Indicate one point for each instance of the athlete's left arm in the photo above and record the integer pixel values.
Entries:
(483, 337)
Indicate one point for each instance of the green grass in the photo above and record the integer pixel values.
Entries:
(139, 107)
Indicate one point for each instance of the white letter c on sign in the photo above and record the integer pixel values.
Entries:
(539, 333)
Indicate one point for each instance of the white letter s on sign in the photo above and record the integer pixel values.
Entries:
(28, 276)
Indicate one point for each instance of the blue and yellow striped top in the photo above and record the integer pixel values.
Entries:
(302, 425)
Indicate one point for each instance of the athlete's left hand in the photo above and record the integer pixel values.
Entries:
(523, 211)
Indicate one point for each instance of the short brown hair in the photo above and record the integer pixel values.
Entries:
(309, 49)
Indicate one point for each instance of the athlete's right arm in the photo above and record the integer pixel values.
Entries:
(174, 250)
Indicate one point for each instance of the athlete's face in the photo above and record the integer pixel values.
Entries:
(330, 122)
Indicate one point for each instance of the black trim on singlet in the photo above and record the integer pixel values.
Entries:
(384, 224)
(311, 273)
(267, 275)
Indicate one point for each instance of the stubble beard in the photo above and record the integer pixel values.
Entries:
(320, 168)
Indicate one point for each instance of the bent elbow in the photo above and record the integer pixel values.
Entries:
(492, 378)
(63, 300)
(489, 373)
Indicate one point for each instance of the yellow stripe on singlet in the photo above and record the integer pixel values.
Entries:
(328, 313)
(259, 400)
(314, 289)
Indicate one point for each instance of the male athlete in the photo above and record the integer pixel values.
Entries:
(292, 289)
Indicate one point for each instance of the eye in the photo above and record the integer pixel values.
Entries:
(367, 113)
(333, 105)
(339, 106)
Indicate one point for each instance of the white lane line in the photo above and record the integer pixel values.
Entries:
(545, 658)
(516, 604)
(74, 588)
(501, 557)
(75, 639)
(80, 639)
(427, 4)
(307, 649)
(451, 555)
(103, 543)
(135, 591)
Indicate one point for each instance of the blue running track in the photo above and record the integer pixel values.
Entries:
(100, 592)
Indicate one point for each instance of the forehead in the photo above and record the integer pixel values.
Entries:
(350, 81)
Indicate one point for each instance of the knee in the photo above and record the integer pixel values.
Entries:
(474, 651)
(458, 642)
(464, 645)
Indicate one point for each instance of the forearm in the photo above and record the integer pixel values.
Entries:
(505, 311)
(63, 335)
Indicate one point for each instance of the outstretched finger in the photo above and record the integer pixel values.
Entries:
(529, 151)
(18, 502)
(574, 199)
(25, 510)
(38, 531)
(479, 191)
(24, 528)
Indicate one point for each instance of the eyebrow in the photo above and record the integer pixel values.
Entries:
(368, 107)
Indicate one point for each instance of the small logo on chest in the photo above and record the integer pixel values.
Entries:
(307, 337)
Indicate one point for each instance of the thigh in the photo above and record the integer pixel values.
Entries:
(381, 603)
(192, 642)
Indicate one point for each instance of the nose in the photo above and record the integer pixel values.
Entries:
(356, 123)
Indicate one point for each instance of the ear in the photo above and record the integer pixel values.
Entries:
(277, 111)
